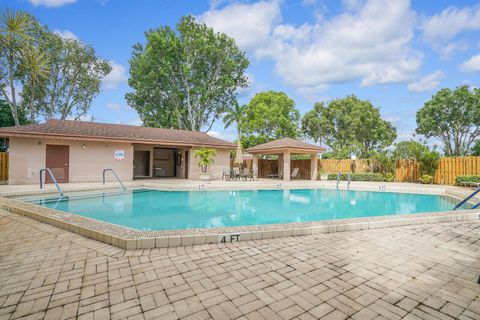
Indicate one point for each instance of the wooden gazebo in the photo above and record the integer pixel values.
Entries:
(284, 148)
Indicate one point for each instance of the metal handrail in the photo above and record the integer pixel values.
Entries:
(53, 179)
(116, 176)
(461, 203)
(338, 179)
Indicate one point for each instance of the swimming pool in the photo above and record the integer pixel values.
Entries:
(171, 210)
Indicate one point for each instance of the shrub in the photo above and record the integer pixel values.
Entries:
(462, 179)
(389, 177)
(364, 176)
(426, 179)
(429, 162)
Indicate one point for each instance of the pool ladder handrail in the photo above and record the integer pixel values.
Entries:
(50, 173)
(116, 177)
(461, 203)
(338, 179)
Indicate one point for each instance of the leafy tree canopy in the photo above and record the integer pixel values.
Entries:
(57, 77)
(349, 125)
(74, 79)
(185, 79)
(6, 119)
(452, 116)
(268, 116)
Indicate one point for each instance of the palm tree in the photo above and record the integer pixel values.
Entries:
(234, 115)
(36, 66)
(15, 27)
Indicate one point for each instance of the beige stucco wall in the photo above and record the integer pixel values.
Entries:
(27, 157)
(222, 161)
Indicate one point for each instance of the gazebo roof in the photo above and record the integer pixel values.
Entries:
(285, 144)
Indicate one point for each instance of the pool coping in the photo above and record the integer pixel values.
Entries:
(128, 238)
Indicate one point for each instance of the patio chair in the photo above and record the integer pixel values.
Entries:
(236, 173)
(253, 175)
(244, 174)
(226, 174)
(295, 172)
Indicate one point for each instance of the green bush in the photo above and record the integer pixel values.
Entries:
(426, 179)
(462, 179)
(364, 176)
(389, 176)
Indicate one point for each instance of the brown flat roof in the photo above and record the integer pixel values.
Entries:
(83, 130)
(286, 144)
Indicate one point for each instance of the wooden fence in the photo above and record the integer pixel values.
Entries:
(343, 165)
(3, 167)
(405, 171)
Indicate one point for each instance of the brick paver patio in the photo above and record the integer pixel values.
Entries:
(414, 272)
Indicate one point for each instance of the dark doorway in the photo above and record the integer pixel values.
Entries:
(57, 160)
(141, 164)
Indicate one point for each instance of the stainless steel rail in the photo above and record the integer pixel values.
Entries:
(116, 177)
(461, 203)
(53, 179)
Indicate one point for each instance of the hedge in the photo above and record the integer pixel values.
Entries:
(463, 179)
(364, 176)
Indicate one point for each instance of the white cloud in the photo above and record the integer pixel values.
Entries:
(439, 30)
(450, 22)
(66, 34)
(116, 77)
(471, 65)
(249, 24)
(135, 122)
(370, 43)
(51, 3)
(222, 135)
(428, 83)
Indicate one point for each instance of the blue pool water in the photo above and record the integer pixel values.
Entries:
(167, 210)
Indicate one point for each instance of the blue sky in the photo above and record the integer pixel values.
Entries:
(395, 53)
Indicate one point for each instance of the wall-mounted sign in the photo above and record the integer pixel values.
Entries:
(119, 154)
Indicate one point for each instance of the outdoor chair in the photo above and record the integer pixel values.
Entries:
(236, 173)
(226, 174)
(295, 172)
(252, 175)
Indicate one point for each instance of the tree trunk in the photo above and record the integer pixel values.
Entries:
(12, 90)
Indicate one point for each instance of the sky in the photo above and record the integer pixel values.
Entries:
(395, 53)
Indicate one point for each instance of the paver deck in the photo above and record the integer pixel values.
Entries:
(411, 272)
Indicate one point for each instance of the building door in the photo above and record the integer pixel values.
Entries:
(141, 164)
(186, 164)
(57, 160)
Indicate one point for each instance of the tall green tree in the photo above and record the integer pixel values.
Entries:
(36, 67)
(234, 114)
(186, 78)
(312, 123)
(74, 79)
(15, 34)
(269, 115)
(349, 125)
(453, 117)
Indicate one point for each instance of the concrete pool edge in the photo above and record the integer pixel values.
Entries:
(127, 238)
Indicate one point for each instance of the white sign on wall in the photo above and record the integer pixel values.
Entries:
(119, 154)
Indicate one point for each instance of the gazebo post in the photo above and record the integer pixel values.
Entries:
(286, 166)
(255, 164)
(313, 166)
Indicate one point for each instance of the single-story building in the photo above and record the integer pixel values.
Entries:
(78, 151)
